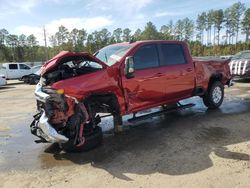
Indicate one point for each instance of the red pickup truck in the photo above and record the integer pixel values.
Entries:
(76, 89)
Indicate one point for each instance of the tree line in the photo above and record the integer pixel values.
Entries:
(215, 32)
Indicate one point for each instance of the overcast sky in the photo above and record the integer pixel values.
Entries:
(29, 16)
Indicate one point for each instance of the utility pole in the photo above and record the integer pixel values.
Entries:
(45, 43)
(13, 52)
(13, 44)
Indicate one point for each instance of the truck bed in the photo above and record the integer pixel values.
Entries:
(204, 68)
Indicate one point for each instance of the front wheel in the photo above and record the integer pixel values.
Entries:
(214, 96)
(91, 141)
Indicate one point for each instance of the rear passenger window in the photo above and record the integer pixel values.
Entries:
(173, 54)
(146, 57)
(13, 66)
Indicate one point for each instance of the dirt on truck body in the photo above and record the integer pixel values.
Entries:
(120, 79)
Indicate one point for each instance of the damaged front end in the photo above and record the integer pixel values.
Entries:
(62, 116)
(60, 119)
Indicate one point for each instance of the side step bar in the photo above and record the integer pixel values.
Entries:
(147, 116)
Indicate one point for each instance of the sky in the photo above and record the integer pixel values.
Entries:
(30, 16)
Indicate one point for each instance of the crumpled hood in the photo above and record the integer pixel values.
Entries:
(81, 86)
(55, 61)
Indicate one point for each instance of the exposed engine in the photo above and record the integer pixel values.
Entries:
(71, 67)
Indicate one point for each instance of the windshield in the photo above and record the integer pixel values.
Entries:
(111, 54)
(242, 55)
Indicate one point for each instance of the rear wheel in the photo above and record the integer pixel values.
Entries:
(91, 141)
(214, 96)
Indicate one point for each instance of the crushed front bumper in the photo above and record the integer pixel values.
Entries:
(40, 126)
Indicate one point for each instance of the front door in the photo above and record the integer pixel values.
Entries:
(12, 71)
(24, 70)
(148, 85)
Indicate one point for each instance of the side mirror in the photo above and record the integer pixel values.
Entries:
(129, 67)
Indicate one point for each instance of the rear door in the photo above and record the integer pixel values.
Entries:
(148, 85)
(178, 71)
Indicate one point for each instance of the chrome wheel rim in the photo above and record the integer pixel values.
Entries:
(217, 94)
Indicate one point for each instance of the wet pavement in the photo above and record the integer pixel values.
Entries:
(208, 131)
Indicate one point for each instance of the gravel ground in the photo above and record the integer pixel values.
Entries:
(192, 148)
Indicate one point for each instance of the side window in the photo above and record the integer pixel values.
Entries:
(24, 67)
(173, 54)
(13, 66)
(146, 57)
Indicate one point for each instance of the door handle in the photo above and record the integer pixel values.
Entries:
(158, 74)
(189, 69)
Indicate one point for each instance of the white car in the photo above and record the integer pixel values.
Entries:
(2, 80)
(15, 70)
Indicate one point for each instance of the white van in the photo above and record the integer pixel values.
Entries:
(15, 70)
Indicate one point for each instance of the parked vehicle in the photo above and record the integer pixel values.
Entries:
(32, 78)
(120, 79)
(240, 65)
(15, 70)
(2, 80)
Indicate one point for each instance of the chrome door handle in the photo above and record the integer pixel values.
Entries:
(158, 74)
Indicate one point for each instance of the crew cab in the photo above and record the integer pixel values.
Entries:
(75, 89)
(15, 70)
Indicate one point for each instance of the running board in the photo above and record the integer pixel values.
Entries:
(147, 116)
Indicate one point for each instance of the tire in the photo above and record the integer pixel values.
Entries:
(91, 141)
(214, 96)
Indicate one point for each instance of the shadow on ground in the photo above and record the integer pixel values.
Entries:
(175, 144)
(2, 88)
(9, 86)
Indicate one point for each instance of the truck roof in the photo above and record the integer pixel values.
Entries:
(148, 42)
(13, 63)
